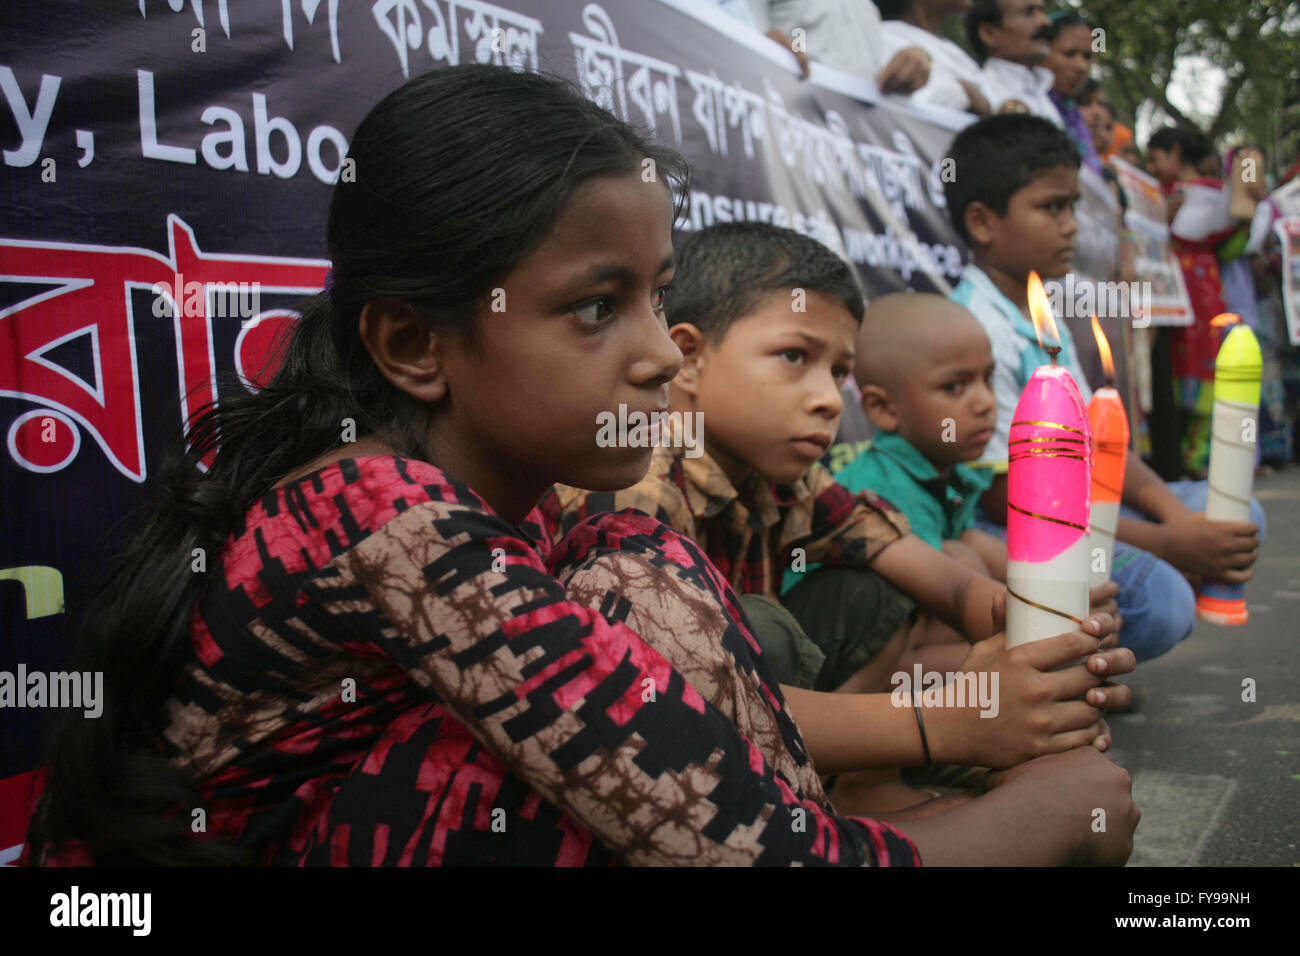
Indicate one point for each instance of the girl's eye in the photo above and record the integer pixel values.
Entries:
(794, 356)
(594, 311)
(953, 388)
(661, 294)
(840, 373)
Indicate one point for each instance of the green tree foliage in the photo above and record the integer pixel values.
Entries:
(1256, 42)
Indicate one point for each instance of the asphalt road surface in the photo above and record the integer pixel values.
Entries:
(1217, 777)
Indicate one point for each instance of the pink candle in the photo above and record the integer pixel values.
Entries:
(1048, 500)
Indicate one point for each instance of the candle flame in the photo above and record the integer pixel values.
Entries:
(1103, 346)
(1040, 311)
(1224, 318)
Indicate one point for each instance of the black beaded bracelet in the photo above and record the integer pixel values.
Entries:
(925, 743)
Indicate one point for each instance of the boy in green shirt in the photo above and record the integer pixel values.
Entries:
(925, 367)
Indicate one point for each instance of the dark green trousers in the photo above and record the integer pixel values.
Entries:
(828, 626)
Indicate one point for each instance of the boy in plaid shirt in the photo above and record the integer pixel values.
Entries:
(766, 319)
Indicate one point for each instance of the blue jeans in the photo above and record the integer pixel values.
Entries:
(1155, 600)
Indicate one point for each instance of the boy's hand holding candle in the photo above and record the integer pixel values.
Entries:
(1051, 695)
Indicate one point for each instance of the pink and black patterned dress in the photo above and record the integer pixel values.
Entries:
(385, 672)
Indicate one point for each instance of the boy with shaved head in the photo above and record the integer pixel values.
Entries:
(925, 367)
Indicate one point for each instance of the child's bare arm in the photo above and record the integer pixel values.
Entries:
(963, 552)
(1037, 814)
(847, 732)
(1186, 539)
(1030, 709)
(991, 549)
(941, 585)
(994, 501)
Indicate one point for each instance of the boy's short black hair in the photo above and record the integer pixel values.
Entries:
(981, 12)
(725, 271)
(1193, 145)
(997, 157)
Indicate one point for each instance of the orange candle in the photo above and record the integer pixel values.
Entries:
(1110, 436)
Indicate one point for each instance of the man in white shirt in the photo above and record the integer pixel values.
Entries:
(956, 80)
(1010, 38)
(845, 34)
(753, 14)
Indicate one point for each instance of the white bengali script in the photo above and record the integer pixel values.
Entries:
(641, 88)
(635, 86)
(497, 35)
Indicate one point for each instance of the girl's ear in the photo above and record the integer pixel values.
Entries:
(879, 408)
(691, 342)
(407, 352)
